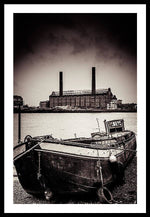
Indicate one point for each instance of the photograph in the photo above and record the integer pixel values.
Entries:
(72, 68)
(75, 108)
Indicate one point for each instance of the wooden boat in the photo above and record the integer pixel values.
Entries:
(45, 165)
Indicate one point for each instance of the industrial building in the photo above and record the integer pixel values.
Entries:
(94, 98)
(44, 104)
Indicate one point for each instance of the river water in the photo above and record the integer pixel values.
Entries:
(67, 125)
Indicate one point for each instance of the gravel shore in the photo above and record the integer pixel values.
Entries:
(125, 193)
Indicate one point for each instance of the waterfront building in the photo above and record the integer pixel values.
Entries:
(94, 98)
(112, 104)
(18, 100)
(44, 104)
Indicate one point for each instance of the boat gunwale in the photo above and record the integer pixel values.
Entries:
(78, 155)
(25, 152)
(75, 144)
(83, 138)
(94, 146)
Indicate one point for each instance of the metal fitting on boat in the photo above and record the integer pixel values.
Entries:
(28, 138)
(112, 158)
(48, 194)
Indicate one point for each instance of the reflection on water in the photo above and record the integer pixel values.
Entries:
(66, 125)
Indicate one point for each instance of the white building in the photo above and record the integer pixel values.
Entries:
(112, 104)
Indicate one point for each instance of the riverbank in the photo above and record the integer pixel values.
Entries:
(125, 193)
(73, 110)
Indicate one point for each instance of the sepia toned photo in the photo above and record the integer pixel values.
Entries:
(72, 72)
(75, 108)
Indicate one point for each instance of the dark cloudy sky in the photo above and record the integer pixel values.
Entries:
(45, 44)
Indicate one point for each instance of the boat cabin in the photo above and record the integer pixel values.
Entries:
(114, 126)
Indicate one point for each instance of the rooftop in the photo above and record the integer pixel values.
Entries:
(80, 92)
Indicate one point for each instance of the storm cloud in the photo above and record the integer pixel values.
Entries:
(76, 41)
(102, 32)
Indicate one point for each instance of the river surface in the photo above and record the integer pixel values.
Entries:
(68, 125)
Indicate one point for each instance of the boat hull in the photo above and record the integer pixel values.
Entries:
(42, 169)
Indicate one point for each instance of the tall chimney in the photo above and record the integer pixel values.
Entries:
(93, 81)
(60, 83)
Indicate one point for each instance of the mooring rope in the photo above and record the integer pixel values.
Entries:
(100, 168)
(101, 190)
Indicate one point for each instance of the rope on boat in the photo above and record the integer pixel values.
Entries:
(47, 192)
(39, 166)
(100, 167)
(30, 149)
(103, 193)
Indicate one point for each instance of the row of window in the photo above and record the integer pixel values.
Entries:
(98, 101)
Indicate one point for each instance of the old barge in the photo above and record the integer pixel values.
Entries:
(45, 164)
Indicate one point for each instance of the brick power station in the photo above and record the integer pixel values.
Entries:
(94, 98)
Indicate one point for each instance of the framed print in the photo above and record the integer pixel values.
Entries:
(75, 112)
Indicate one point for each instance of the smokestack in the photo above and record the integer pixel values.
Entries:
(60, 83)
(93, 81)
